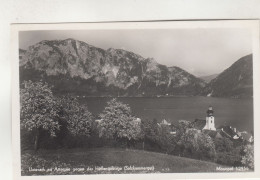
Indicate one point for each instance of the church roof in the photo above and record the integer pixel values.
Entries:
(199, 124)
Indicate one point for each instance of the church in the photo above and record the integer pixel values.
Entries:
(206, 124)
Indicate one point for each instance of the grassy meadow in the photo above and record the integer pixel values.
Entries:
(89, 161)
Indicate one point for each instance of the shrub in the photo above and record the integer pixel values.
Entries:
(248, 158)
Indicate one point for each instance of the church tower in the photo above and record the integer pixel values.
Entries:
(210, 124)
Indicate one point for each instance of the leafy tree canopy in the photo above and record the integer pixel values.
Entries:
(248, 158)
(38, 107)
(118, 123)
(223, 144)
(79, 119)
(150, 129)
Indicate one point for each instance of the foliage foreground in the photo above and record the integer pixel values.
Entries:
(108, 161)
(61, 122)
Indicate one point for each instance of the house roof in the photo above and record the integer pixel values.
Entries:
(165, 122)
(212, 134)
(138, 120)
(229, 130)
(199, 123)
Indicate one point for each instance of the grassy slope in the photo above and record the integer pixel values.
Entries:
(107, 157)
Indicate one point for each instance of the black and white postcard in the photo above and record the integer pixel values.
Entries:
(136, 99)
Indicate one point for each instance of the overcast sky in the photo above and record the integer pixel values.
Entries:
(198, 51)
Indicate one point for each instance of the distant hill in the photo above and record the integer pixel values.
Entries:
(208, 78)
(235, 81)
(73, 66)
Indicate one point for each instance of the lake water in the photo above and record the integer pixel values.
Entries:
(227, 111)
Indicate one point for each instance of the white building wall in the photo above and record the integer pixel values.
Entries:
(210, 123)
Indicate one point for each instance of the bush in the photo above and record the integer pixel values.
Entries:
(197, 145)
(231, 158)
(223, 144)
(248, 158)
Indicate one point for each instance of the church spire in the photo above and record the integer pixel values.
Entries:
(210, 111)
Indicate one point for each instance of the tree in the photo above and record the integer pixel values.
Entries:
(223, 144)
(206, 146)
(165, 139)
(182, 127)
(182, 136)
(150, 131)
(38, 109)
(118, 123)
(79, 119)
(248, 158)
(187, 142)
(197, 144)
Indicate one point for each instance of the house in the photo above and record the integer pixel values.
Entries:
(164, 122)
(246, 136)
(138, 120)
(251, 139)
(98, 120)
(229, 132)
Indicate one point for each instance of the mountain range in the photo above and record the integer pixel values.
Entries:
(72, 66)
(208, 78)
(235, 81)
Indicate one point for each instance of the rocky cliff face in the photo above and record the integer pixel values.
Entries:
(73, 66)
(235, 81)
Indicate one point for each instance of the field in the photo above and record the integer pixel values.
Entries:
(108, 160)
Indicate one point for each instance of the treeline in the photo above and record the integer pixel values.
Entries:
(50, 122)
